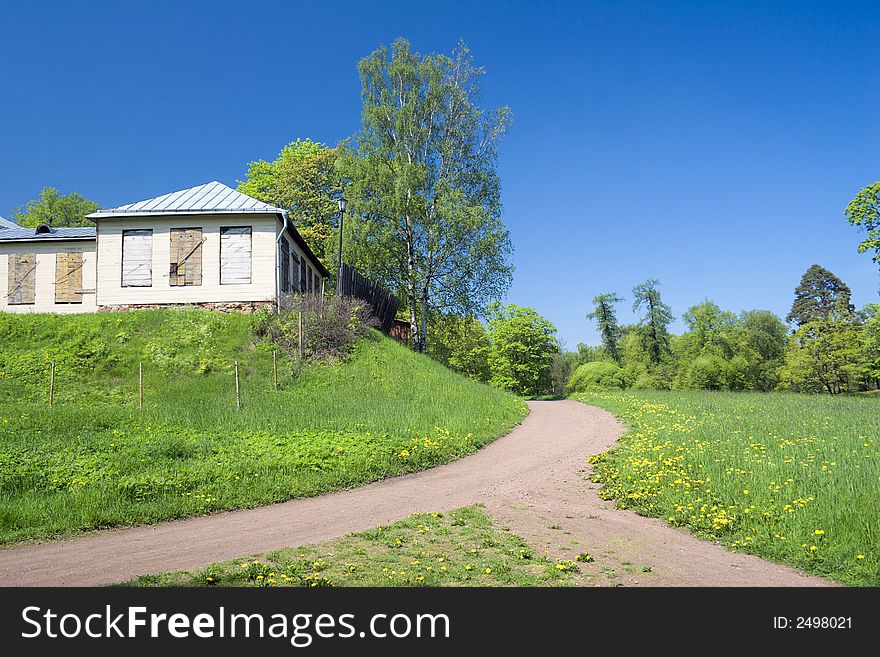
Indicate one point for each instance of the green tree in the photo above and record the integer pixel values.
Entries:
(606, 319)
(818, 296)
(654, 327)
(424, 185)
(760, 340)
(864, 212)
(460, 343)
(871, 344)
(564, 362)
(304, 181)
(710, 329)
(825, 355)
(523, 344)
(55, 209)
(587, 354)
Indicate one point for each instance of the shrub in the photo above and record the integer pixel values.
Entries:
(736, 373)
(599, 375)
(647, 381)
(705, 373)
(330, 325)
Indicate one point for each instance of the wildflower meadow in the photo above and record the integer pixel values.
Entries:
(791, 478)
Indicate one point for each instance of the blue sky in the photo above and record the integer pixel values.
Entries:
(711, 145)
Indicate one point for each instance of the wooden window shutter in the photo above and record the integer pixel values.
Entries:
(235, 255)
(22, 278)
(137, 258)
(285, 266)
(300, 273)
(68, 277)
(186, 257)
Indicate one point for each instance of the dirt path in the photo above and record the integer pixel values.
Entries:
(531, 481)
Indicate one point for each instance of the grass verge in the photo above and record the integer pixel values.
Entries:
(461, 548)
(792, 478)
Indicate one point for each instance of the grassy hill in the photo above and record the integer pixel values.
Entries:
(95, 460)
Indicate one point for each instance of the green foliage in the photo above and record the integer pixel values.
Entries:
(818, 296)
(55, 209)
(791, 478)
(459, 548)
(709, 330)
(95, 460)
(864, 212)
(704, 372)
(424, 188)
(606, 318)
(825, 355)
(460, 343)
(304, 181)
(597, 376)
(587, 354)
(759, 339)
(871, 343)
(523, 344)
(658, 316)
(564, 362)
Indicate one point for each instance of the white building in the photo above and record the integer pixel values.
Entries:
(209, 246)
(47, 269)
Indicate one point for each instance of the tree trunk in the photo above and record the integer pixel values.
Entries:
(423, 336)
(411, 288)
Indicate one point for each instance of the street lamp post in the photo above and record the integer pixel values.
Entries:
(343, 204)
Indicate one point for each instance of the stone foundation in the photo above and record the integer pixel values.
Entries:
(245, 307)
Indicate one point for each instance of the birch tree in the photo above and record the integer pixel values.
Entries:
(423, 185)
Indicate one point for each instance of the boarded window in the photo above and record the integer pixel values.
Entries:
(68, 277)
(309, 280)
(137, 258)
(22, 278)
(235, 255)
(285, 266)
(317, 282)
(302, 274)
(294, 271)
(186, 257)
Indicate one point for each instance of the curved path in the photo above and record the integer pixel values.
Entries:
(531, 480)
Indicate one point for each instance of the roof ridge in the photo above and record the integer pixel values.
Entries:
(213, 197)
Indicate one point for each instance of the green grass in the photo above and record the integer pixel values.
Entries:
(462, 548)
(792, 478)
(95, 460)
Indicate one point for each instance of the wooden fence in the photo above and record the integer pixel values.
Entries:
(383, 303)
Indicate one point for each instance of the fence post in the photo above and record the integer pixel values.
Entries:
(52, 385)
(237, 389)
(141, 386)
(275, 368)
(300, 340)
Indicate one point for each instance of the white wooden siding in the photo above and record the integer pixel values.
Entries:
(46, 275)
(235, 255)
(262, 280)
(137, 258)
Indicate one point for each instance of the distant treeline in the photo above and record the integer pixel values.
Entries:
(826, 346)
